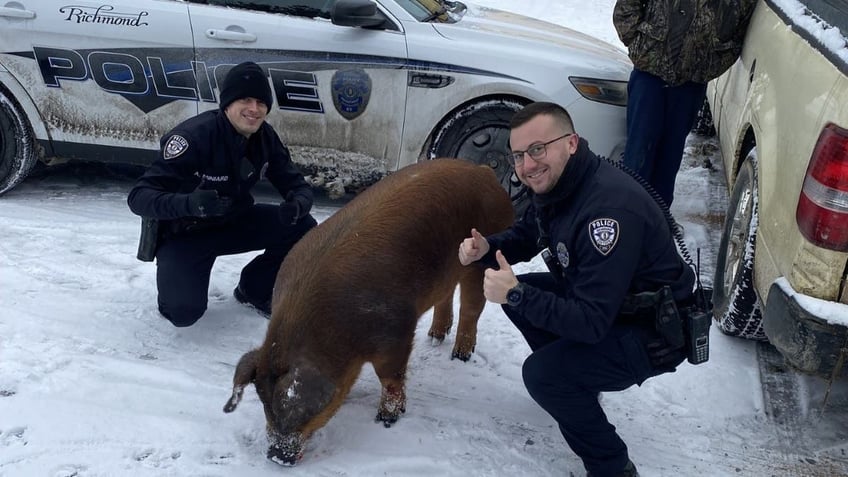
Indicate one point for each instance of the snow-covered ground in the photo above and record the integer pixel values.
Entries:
(94, 383)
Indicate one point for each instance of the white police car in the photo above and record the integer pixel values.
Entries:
(361, 88)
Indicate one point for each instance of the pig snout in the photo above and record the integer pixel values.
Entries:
(285, 450)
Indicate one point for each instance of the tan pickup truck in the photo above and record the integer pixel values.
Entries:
(781, 115)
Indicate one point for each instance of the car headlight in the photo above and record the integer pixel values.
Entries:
(602, 91)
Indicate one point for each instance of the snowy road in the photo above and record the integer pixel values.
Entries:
(94, 383)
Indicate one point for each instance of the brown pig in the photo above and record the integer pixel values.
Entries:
(351, 291)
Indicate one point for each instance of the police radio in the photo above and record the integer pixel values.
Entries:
(698, 345)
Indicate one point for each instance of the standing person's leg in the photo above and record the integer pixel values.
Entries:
(535, 337)
(260, 228)
(682, 108)
(183, 265)
(565, 377)
(645, 122)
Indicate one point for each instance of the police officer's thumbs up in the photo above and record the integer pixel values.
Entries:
(473, 248)
(207, 203)
(496, 283)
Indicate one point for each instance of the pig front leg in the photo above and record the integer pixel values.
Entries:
(392, 404)
(391, 369)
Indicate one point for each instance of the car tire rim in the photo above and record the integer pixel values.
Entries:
(738, 237)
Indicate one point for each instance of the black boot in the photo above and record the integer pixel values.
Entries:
(629, 470)
(263, 307)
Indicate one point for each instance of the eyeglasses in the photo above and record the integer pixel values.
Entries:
(536, 151)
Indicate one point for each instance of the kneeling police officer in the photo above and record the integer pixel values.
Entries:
(605, 315)
(196, 203)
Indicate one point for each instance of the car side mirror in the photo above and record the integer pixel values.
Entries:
(357, 13)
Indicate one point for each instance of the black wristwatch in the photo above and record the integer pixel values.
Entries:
(515, 295)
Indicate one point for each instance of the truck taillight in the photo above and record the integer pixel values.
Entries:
(822, 213)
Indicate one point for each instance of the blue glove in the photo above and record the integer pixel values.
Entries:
(296, 207)
(207, 203)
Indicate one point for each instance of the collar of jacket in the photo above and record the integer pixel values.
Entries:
(232, 138)
(579, 167)
(235, 141)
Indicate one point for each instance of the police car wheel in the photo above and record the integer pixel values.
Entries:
(479, 133)
(17, 152)
(737, 309)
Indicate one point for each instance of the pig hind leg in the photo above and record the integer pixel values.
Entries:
(442, 320)
(472, 301)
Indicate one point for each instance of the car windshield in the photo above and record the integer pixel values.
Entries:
(442, 11)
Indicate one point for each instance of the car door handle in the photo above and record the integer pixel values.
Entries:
(229, 35)
(16, 13)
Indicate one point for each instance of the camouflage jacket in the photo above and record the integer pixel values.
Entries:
(683, 40)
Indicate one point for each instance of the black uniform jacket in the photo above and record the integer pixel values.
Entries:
(610, 239)
(206, 151)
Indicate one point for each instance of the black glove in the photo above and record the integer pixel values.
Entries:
(296, 207)
(207, 203)
(665, 356)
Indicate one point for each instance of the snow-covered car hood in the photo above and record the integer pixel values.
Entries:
(481, 23)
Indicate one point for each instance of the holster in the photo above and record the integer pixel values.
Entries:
(148, 240)
(668, 322)
(667, 319)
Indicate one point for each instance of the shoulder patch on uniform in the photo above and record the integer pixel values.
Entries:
(604, 234)
(175, 146)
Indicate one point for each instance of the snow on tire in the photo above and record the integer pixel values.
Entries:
(479, 132)
(17, 151)
(737, 308)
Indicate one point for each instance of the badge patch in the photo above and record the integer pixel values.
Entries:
(604, 234)
(562, 255)
(351, 91)
(175, 146)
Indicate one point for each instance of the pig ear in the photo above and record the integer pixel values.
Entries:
(300, 395)
(245, 374)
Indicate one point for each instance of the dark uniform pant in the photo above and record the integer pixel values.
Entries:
(564, 377)
(659, 117)
(184, 261)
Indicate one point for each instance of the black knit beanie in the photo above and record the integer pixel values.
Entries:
(245, 80)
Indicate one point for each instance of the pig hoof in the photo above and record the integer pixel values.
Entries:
(388, 418)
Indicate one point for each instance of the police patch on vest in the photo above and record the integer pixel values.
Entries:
(351, 91)
(562, 255)
(604, 234)
(175, 146)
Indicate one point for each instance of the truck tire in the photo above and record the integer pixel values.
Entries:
(17, 147)
(737, 308)
(479, 133)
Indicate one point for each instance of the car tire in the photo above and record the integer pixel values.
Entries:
(736, 307)
(17, 148)
(479, 133)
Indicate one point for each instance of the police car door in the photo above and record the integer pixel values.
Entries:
(113, 76)
(340, 91)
